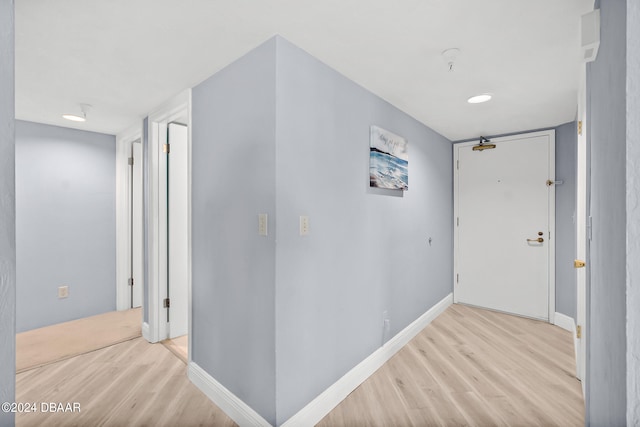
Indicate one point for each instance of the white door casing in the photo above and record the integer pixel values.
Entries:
(502, 205)
(177, 109)
(581, 229)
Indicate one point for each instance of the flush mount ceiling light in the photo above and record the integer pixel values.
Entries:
(82, 117)
(479, 98)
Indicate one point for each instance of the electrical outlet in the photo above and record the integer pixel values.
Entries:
(262, 224)
(304, 225)
(63, 291)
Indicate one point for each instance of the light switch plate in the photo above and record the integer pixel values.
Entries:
(262, 224)
(304, 225)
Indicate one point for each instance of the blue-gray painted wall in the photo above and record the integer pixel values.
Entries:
(565, 240)
(7, 213)
(233, 268)
(367, 251)
(606, 399)
(278, 132)
(633, 213)
(65, 226)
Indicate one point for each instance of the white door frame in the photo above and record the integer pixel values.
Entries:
(581, 229)
(124, 142)
(552, 211)
(173, 110)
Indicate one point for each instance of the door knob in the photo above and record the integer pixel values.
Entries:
(538, 240)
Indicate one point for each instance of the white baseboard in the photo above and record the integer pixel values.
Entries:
(330, 398)
(568, 324)
(565, 322)
(145, 332)
(235, 408)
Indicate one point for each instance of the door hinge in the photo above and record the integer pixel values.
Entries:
(578, 331)
(166, 303)
(589, 228)
(458, 164)
(458, 221)
(579, 127)
(130, 161)
(166, 148)
(130, 281)
(457, 278)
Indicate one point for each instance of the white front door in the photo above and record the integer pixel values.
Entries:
(504, 225)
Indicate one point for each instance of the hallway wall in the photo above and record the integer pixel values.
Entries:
(633, 213)
(65, 227)
(606, 396)
(7, 212)
(368, 250)
(278, 132)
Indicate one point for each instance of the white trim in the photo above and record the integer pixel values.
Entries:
(175, 108)
(565, 322)
(230, 404)
(569, 324)
(551, 133)
(145, 331)
(319, 407)
(123, 251)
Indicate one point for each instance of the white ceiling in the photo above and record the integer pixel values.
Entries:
(126, 57)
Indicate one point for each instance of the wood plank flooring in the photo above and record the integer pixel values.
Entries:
(469, 367)
(52, 343)
(472, 367)
(179, 346)
(133, 383)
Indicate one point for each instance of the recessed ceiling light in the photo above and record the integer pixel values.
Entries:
(74, 117)
(479, 98)
(82, 117)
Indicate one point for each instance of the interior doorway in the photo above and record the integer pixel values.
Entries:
(505, 224)
(129, 220)
(169, 225)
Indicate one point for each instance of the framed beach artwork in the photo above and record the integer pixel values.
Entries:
(388, 160)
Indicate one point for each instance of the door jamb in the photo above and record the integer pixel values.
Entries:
(552, 210)
(124, 142)
(157, 125)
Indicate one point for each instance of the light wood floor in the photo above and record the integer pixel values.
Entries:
(52, 343)
(133, 383)
(179, 346)
(468, 367)
(472, 367)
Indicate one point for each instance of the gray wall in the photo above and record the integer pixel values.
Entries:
(566, 160)
(633, 213)
(280, 133)
(233, 268)
(7, 213)
(606, 118)
(65, 227)
(367, 251)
